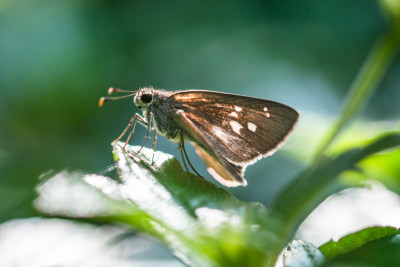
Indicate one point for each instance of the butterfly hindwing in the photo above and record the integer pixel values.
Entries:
(219, 172)
(223, 171)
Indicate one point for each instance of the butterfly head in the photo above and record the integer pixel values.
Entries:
(144, 98)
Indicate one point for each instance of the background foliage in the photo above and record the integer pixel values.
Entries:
(59, 57)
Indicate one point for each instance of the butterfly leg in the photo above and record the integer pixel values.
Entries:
(181, 145)
(129, 136)
(154, 146)
(184, 154)
(143, 122)
(183, 160)
(132, 124)
(149, 127)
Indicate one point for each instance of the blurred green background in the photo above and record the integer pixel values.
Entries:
(58, 57)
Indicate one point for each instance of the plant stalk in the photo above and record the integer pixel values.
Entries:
(371, 73)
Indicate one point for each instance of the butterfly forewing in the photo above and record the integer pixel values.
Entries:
(242, 129)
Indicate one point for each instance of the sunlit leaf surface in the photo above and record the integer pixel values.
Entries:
(203, 224)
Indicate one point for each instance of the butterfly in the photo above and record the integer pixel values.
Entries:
(229, 132)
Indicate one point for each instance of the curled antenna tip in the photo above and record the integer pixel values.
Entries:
(111, 90)
(101, 101)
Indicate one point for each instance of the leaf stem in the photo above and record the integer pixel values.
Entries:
(366, 82)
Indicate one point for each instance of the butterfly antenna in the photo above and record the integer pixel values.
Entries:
(112, 90)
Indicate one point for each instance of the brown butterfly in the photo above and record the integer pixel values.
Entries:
(229, 132)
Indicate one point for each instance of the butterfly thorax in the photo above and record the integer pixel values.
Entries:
(155, 107)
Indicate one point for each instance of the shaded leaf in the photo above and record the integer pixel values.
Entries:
(316, 183)
(353, 241)
(384, 252)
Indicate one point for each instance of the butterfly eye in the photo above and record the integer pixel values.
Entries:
(146, 98)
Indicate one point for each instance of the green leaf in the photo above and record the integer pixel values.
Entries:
(204, 225)
(382, 252)
(383, 167)
(316, 183)
(353, 241)
(300, 253)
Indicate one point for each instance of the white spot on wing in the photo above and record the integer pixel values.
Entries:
(236, 126)
(267, 115)
(265, 109)
(251, 126)
(238, 109)
(233, 114)
(220, 133)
